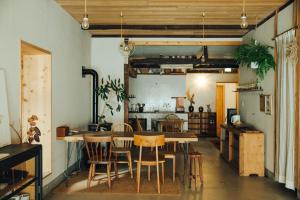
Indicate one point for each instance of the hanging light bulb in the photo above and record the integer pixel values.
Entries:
(244, 23)
(126, 48)
(85, 21)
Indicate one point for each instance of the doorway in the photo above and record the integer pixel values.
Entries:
(36, 98)
(226, 97)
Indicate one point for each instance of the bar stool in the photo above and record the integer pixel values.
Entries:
(194, 158)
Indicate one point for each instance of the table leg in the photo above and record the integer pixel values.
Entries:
(39, 176)
(186, 161)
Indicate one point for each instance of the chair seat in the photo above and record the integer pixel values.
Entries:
(120, 150)
(151, 159)
(103, 161)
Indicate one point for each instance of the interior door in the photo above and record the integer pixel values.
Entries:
(220, 107)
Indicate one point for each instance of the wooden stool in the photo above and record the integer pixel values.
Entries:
(194, 158)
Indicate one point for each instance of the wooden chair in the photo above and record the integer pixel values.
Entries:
(150, 159)
(172, 117)
(123, 147)
(138, 123)
(171, 126)
(194, 159)
(99, 153)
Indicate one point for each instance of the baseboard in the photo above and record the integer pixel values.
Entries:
(269, 174)
(56, 181)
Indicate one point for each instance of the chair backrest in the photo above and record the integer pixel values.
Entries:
(171, 125)
(149, 140)
(138, 123)
(98, 147)
(172, 116)
(122, 127)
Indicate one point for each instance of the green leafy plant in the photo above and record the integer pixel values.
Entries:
(107, 89)
(257, 53)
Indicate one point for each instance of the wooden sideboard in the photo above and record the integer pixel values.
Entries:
(202, 123)
(243, 148)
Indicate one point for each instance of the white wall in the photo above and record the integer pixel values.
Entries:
(249, 102)
(156, 91)
(204, 87)
(107, 60)
(45, 24)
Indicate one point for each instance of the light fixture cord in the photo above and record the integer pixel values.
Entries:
(243, 6)
(121, 24)
(85, 8)
(203, 15)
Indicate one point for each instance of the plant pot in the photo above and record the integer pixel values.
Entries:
(141, 109)
(254, 65)
(201, 109)
(191, 108)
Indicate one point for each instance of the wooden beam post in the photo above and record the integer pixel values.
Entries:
(126, 85)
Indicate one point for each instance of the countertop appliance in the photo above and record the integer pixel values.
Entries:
(230, 113)
(235, 119)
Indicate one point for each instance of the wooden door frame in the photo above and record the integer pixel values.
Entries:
(223, 108)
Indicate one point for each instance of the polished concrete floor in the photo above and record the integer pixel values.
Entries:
(221, 182)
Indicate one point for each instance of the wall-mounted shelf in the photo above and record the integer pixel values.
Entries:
(250, 90)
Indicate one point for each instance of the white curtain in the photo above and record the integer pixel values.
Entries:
(285, 119)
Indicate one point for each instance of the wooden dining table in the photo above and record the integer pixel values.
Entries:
(184, 138)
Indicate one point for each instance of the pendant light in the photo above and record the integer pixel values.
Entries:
(244, 23)
(126, 48)
(85, 21)
(203, 56)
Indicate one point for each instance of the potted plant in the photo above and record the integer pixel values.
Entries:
(256, 56)
(107, 90)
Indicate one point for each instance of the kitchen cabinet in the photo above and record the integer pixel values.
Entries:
(243, 148)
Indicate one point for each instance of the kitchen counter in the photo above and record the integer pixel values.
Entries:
(159, 112)
(152, 116)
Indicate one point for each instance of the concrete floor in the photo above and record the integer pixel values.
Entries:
(221, 182)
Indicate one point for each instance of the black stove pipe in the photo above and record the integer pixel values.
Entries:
(95, 77)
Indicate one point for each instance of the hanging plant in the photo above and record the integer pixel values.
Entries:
(107, 89)
(255, 56)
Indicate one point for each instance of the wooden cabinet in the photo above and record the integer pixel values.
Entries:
(202, 123)
(243, 149)
(251, 154)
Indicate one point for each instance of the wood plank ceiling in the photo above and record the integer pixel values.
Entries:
(170, 18)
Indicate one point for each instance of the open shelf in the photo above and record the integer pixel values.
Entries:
(19, 186)
(249, 90)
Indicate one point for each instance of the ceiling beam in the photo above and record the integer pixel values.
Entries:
(186, 43)
(165, 27)
(165, 36)
(156, 62)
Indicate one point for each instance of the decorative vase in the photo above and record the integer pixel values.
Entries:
(254, 65)
(191, 108)
(201, 109)
(208, 108)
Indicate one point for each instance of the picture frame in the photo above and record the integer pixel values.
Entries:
(265, 103)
